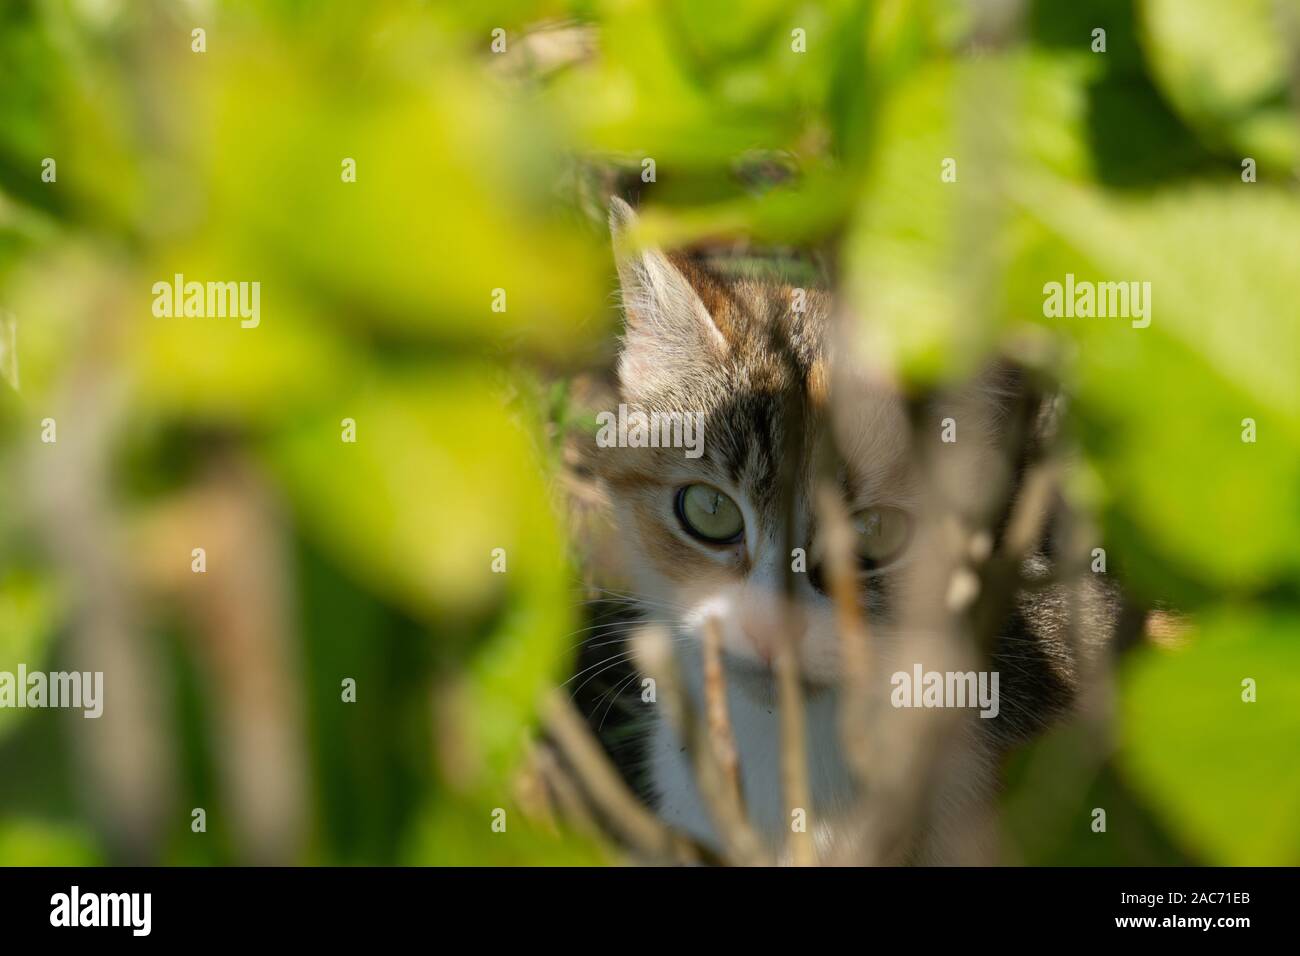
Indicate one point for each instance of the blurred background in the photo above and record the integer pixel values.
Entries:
(420, 190)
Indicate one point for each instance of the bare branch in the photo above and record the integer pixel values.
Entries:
(742, 845)
(632, 821)
(721, 739)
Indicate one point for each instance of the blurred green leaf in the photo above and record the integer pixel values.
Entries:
(446, 207)
(459, 833)
(1226, 68)
(1051, 787)
(439, 477)
(66, 99)
(1224, 771)
(693, 85)
(929, 265)
(1220, 348)
(29, 611)
(36, 843)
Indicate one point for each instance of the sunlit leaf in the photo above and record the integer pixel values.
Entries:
(439, 478)
(1226, 68)
(36, 843)
(928, 265)
(1162, 407)
(1222, 769)
(29, 612)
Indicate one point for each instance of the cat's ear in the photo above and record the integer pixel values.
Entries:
(668, 325)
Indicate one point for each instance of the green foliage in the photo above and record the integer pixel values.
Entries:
(477, 171)
(1226, 70)
(28, 615)
(33, 843)
(1158, 401)
(1223, 768)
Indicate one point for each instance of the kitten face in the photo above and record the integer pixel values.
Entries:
(705, 537)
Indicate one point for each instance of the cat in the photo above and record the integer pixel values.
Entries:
(704, 538)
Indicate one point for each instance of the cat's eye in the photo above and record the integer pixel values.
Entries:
(882, 533)
(709, 515)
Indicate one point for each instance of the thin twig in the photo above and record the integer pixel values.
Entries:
(721, 739)
(559, 792)
(1000, 576)
(794, 757)
(742, 846)
(795, 789)
(852, 628)
(632, 821)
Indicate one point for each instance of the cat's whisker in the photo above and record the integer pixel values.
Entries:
(612, 662)
(627, 637)
(600, 700)
(611, 626)
(638, 599)
(605, 639)
(603, 660)
(608, 690)
(617, 640)
(614, 699)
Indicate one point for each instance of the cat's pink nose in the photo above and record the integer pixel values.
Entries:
(762, 627)
(762, 647)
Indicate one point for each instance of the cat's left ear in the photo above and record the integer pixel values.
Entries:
(667, 322)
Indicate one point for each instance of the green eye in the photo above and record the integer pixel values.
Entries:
(882, 535)
(709, 515)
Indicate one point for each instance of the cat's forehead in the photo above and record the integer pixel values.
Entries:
(766, 402)
(753, 434)
(760, 428)
(748, 438)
